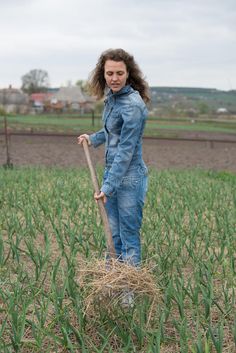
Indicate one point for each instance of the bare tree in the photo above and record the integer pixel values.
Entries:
(35, 81)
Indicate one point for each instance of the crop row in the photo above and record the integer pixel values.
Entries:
(49, 225)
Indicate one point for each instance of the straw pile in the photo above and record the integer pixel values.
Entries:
(105, 282)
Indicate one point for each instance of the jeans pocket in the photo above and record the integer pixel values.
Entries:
(130, 182)
(142, 170)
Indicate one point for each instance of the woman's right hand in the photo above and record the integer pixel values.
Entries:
(83, 137)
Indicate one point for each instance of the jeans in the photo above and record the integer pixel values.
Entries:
(125, 212)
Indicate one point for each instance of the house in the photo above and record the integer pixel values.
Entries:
(39, 100)
(64, 99)
(222, 111)
(72, 99)
(13, 100)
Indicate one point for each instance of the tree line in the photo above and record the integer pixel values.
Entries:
(37, 80)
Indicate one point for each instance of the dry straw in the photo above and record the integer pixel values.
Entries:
(106, 281)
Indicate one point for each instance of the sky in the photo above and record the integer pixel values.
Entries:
(177, 43)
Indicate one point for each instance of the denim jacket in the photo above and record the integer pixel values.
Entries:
(123, 118)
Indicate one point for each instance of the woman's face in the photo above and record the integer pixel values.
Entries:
(115, 73)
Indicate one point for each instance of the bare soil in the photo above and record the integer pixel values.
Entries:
(64, 152)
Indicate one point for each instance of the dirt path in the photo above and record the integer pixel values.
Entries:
(161, 154)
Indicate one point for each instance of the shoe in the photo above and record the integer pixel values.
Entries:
(127, 299)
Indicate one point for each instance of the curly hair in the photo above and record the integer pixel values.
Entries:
(97, 82)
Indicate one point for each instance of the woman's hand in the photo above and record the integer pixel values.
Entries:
(101, 196)
(83, 137)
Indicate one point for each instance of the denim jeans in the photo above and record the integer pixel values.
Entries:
(125, 212)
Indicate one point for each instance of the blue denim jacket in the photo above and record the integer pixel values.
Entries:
(123, 118)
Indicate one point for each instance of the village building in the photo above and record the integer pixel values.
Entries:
(13, 100)
(38, 101)
(72, 99)
(62, 100)
(222, 110)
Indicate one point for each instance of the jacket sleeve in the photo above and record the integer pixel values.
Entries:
(98, 138)
(133, 120)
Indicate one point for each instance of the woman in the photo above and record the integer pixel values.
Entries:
(125, 176)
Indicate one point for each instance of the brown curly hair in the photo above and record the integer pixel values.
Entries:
(97, 82)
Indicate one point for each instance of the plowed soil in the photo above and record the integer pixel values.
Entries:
(64, 152)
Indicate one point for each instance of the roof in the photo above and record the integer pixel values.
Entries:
(40, 97)
(13, 96)
(70, 94)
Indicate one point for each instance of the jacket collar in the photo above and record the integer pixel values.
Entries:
(124, 90)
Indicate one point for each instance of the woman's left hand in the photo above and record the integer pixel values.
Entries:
(99, 196)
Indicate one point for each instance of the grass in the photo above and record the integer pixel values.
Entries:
(152, 129)
(154, 126)
(51, 123)
(50, 226)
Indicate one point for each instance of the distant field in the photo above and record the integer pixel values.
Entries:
(154, 126)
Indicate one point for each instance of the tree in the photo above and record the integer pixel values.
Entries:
(83, 85)
(203, 108)
(2, 112)
(35, 81)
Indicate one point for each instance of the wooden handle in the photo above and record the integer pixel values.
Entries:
(102, 210)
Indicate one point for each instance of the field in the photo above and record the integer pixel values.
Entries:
(50, 226)
(155, 126)
(63, 151)
(50, 231)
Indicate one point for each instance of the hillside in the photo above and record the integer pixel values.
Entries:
(192, 101)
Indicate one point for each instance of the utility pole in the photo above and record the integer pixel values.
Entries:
(93, 117)
(8, 163)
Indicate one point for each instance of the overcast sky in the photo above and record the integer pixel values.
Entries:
(175, 42)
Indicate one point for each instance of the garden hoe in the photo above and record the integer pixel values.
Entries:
(113, 283)
(102, 210)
